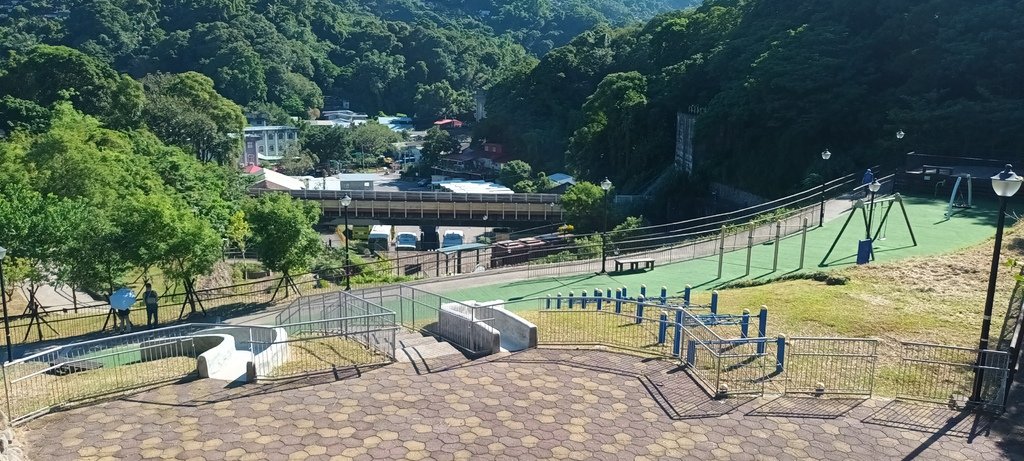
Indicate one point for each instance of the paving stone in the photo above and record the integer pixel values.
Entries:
(538, 404)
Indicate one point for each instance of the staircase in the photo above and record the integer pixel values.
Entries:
(411, 346)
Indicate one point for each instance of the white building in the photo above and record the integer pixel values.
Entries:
(345, 118)
(268, 143)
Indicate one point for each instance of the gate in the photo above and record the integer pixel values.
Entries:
(830, 366)
(945, 375)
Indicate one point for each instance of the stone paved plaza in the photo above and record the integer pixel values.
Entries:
(538, 404)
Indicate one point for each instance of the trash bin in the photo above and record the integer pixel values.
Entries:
(864, 251)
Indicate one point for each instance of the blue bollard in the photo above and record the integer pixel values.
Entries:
(714, 302)
(643, 291)
(691, 352)
(639, 310)
(558, 302)
(745, 324)
(780, 347)
(662, 327)
(597, 294)
(625, 293)
(609, 293)
(677, 340)
(686, 295)
(664, 295)
(583, 299)
(547, 302)
(762, 327)
(618, 301)
(572, 300)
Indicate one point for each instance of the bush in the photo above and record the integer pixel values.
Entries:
(827, 278)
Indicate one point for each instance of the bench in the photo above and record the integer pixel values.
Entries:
(634, 264)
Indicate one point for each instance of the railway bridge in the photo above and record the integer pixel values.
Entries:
(435, 208)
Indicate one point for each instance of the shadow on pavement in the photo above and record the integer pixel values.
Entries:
(807, 407)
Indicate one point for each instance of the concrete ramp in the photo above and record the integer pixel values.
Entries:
(515, 333)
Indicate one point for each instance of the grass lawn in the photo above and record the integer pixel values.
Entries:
(31, 391)
(932, 293)
(313, 353)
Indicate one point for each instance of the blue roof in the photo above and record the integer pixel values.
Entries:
(468, 246)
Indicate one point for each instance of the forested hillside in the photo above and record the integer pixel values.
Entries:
(381, 55)
(778, 83)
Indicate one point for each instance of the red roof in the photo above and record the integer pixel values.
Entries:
(252, 169)
(453, 122)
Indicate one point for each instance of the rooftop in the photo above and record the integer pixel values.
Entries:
(473, 187)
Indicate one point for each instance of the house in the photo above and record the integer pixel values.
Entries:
(268, 143)
(345, 118)
(407, 152)
(397, 124)
(492, 157)
(561, 182)
(448, 123)
(271, 180)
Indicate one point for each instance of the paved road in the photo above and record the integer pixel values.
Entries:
(539, 404)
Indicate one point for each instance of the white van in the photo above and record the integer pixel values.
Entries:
(406, 241)
(452, 238)
(380, 238)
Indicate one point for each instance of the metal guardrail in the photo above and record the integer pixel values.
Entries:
(830, 366)
(328, 345)
(945, 374)
(69, 374)
(417, 196)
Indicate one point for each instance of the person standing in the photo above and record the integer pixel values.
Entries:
(152, 301)
(121, 301)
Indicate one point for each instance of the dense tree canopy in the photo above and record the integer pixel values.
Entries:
(773, 86)
(85, 205)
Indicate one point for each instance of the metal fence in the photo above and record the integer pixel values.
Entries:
(326, 345)
(830, 366)
(432, 313)
(945, 374)
(66, 375)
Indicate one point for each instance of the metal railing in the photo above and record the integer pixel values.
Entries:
(945, 374)
(418, 196)
(424, 311)
(74, 373)
(326, 345)
(831, 366)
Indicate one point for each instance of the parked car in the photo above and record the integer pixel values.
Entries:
(452, 238)
(406, 241)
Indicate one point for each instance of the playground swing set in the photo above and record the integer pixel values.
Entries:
(872, 233)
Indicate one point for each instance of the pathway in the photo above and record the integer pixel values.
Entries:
(538, 404)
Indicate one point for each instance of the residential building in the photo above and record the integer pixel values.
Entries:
(561, 182)
(268, 143)
(493, 156)
(345, 118)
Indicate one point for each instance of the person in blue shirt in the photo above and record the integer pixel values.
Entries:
(868, 178)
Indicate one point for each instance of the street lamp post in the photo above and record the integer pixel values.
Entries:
(606, 185)
(345, 202)
(1005, 185)
(825, 154)
(873, 187)
(3, 299)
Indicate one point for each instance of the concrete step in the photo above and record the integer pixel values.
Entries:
(427, 351)
(417, 341)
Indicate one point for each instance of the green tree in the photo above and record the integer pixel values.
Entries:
(48, 74)
(283, 234)
(186, 111)
(239, 232)
(327, 143)
(440, 100)
(514, 172)
(436, 143)
(373, 139)
(584, 205)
